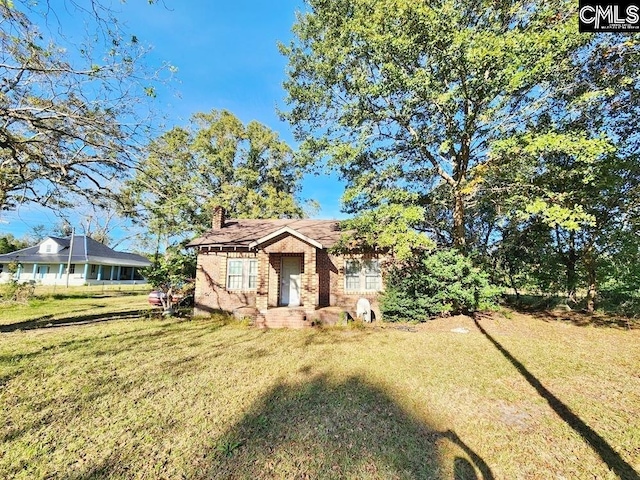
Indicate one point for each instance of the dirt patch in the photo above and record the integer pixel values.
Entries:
(513, 416)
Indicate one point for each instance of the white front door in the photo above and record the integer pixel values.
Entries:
(290, 277)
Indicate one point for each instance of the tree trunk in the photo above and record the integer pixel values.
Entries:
(571, 262)
(514, 286)
(167, 303)
(459, 240)
(590, 265)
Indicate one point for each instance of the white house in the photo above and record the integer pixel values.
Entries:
(90, 262)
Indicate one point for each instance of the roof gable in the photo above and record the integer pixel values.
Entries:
(282, 231)
(250, 233)
(51, 245)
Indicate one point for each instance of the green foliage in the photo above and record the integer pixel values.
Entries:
(227, 446)
(567, 188)
(17, 292)
(170, 274)
(406, 97)
(217, 160)
(8, 244)
(621, 301)
(513, 135)
(172, 268)
(390, 227)
(619, 280)
(436, 283)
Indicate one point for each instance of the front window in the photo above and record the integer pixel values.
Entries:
(242, 274)
(362, 275)
(372, 275)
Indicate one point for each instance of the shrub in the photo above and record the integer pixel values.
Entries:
(436, 284)
(621, 301)
(17, 292)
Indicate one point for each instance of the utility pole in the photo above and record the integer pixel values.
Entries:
(70, 253)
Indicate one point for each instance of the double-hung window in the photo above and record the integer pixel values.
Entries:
(242, 273)
(363, 276)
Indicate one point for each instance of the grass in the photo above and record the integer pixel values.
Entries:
(73, 305)
(521, 397)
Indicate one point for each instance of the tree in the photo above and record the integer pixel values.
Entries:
(607, 94)
(169, 275)
(72, 111)
(215, 161)
(406, 98)
(97, 222)
(8, 244)
(575, 171)
(391, 227)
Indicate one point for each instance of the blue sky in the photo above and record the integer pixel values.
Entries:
(227, 58)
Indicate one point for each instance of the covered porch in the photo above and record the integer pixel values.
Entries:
(287, 289)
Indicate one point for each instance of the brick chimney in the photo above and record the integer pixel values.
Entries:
(218, 217)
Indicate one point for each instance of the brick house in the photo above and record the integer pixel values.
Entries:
(280, 272)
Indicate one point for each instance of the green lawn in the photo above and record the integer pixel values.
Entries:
(79, 305)
(141, 397)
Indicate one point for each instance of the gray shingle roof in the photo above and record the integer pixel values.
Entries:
(85, 250)
(242, 232)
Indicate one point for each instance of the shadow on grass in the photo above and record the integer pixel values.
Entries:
(547, 309)
(612, 458)
(325, 429)
(90, 294)
(586, 319)
(48, 321)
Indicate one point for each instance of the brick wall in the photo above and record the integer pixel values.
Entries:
(337, 295)
(275, 264)
(211, 279)
(288, 245)
(322, 280)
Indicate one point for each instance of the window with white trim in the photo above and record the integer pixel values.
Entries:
(362, 276)
(242, 273)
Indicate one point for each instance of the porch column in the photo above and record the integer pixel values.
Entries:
(118, 275)
(310, 283)
(99, 272)
(35, 269)
(61, 270)
(262, 292)
(19, 272)
(133, 273)
(86, 270)
(111, 273)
